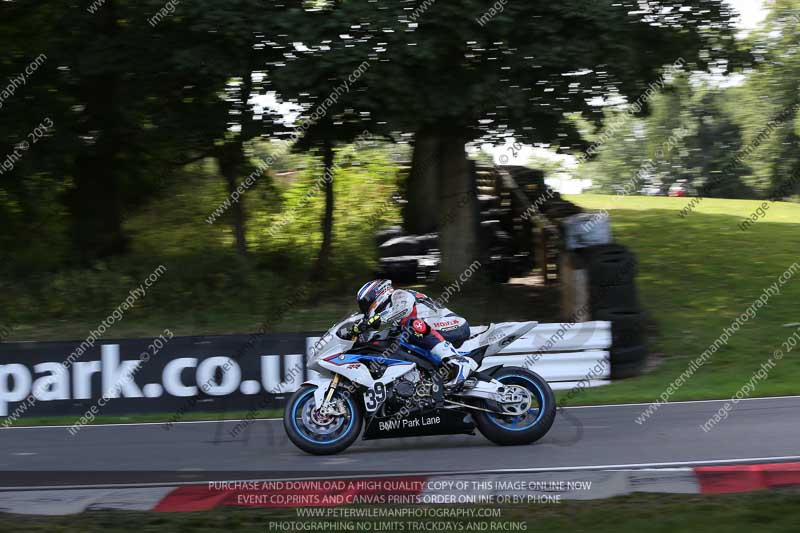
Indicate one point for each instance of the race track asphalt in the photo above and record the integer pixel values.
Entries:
(602, 437)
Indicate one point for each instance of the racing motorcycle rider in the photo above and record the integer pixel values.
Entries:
(420, 320)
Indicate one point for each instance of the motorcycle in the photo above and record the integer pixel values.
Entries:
(396, 389)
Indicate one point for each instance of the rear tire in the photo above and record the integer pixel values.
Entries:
(501, 430)
(320, 443)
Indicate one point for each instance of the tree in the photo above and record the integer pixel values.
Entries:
(150, 91)
(690, 134)
(127, 104)
(242, 45)
(439, 72)
(768, 105)
(329, 95)
(712, 149)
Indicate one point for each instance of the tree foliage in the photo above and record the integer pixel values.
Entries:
(742, 137)
(143, 98)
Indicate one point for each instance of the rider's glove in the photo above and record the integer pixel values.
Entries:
(374, 322)
(363, 326)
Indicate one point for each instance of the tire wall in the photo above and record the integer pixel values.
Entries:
(613, 297)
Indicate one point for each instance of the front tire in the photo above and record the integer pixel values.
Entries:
(515, 430)
(321, 435)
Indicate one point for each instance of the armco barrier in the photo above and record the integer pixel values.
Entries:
(234, 372)
(566, 355)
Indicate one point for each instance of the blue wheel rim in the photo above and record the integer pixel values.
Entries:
(303, 432)
(503, 422)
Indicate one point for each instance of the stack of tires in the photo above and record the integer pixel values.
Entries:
(406, 258)
(612, 297)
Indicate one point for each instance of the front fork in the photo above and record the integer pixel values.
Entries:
(326, 407)
(331, 389)
(323, 389)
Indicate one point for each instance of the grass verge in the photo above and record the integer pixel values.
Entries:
(696, 275)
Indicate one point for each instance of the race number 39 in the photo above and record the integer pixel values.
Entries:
(375, 396)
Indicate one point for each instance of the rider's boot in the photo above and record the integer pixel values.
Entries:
(462, 366)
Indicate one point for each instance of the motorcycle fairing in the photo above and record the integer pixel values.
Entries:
(357, 372)
(346, 358)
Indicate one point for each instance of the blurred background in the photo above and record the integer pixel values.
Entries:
(274, 155)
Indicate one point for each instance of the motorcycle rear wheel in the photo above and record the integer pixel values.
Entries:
(524, 429)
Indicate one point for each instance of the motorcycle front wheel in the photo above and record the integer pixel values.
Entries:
(526, 427)
(316, 434)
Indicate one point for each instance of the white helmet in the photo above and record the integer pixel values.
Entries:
(372, 294)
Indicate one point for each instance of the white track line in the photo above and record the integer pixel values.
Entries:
(118, 424)
(276, 419)
(672, 465)
(682, 402)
